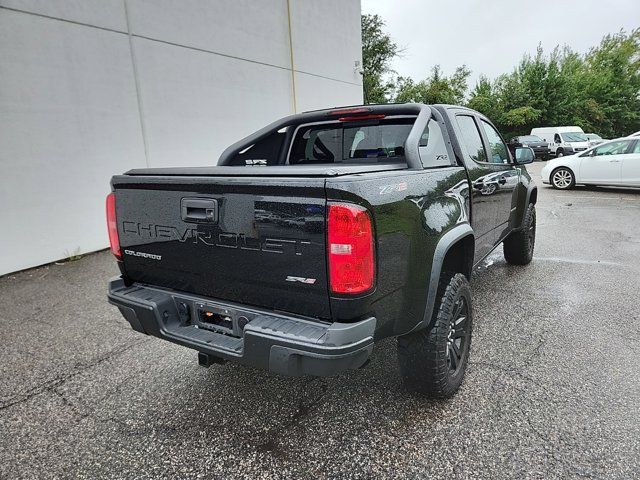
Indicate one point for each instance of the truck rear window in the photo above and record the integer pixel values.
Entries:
(351, 142)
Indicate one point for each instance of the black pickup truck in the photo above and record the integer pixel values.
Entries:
(321, 234)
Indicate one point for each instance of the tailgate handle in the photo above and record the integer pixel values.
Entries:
(199, 210)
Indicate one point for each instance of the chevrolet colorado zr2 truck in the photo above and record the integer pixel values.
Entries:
(321, 234)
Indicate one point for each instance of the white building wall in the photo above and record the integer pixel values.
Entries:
(91, 88)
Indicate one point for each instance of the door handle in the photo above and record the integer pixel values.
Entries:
(199, 210)
(614, 161)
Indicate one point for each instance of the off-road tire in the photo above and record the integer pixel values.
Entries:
(518, 246)
(423, 356)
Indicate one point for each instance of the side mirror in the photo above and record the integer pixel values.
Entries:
(524, 155)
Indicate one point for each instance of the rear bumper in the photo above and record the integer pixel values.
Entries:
(280, 343)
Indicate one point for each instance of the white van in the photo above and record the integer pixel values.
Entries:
(563, 140)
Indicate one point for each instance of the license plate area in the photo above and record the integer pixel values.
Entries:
(215, 318)
(220, 319)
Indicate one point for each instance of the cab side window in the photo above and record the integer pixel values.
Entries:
(432, 149)
(471, 138)
(497, 147)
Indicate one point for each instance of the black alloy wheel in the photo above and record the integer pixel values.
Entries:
(458, 336)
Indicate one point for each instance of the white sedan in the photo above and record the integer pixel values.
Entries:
(613, 163)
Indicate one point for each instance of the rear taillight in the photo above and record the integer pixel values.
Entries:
(350, 249)
(112, 225)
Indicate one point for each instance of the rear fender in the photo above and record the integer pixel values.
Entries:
(531, 196)
(445, 243)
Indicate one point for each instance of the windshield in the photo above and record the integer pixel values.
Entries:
(574, 137)
(530, 138)
(351, 142)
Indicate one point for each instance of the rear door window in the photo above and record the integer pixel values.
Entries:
(351, 142)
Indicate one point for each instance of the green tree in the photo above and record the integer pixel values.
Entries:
(378, 50)
(610, 93)
(436, 88)
(599, 91)
(484, 98)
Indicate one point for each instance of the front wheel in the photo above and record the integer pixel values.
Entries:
(518, 246)
(488, 189)
(562, 178)
(433, 361)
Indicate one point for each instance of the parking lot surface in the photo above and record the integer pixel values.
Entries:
(552, 389)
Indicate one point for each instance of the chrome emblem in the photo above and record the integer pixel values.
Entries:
(309, 281)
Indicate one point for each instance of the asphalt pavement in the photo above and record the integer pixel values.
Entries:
(552, 389)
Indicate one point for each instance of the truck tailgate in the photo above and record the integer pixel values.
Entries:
(250, 240)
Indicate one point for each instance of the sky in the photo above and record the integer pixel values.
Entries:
(490, 36)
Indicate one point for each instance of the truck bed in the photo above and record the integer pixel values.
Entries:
(323, 170)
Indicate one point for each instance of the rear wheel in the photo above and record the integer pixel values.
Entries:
(433, 361)
(562, 178)
(518, 246)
